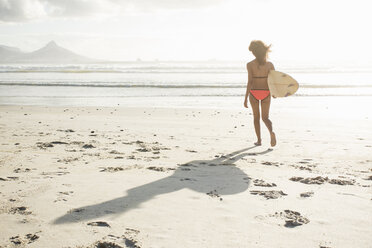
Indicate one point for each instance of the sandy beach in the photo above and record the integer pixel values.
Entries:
(179, 177)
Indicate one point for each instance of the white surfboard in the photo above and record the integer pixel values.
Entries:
(281, 84)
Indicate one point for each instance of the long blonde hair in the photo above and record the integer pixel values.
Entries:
(260, 50)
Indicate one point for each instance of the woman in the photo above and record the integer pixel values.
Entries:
(258, 89)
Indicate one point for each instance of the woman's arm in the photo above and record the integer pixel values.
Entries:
(272, 66)
(249, 85)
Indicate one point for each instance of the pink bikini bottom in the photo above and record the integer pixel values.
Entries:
(260, 94)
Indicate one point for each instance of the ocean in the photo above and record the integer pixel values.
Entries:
(163, 84)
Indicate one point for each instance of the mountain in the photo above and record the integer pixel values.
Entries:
(7, 52)
(51, 53)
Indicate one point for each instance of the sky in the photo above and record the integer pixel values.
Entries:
(305, 32)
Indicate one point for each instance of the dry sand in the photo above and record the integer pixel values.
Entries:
(157, 177)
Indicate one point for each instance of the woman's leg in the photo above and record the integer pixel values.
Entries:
(256, 117)
(265, 109)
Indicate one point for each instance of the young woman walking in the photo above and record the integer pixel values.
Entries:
(258, 89)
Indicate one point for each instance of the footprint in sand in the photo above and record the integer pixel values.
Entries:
(310, 180)
(128, 239)
(214, 194)
(161, 169)
(62, 195)
(117, 169)
(68, 160)
(321, 180)
(19, 210)
(66, 131)
(112, 169)
(307, 194)
(301, 167)
(271, 163)
(368, 178)
(187, 179)
(49, 174)
(192, 151)
(20, 170)
(271, 194)
(88, 146)
(44, 145)
(99, 223)
(291, 218)
(262, 183)
(115, 152)
(27, 239)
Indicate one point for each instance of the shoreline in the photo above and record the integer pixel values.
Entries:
(198, 102)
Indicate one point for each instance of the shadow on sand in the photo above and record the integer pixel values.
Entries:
(218, 175)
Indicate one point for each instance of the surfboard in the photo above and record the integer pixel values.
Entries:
(281, 84)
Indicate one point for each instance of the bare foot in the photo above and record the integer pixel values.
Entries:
(273, 139)
(258, 143)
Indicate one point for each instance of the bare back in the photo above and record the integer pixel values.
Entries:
(259, 74)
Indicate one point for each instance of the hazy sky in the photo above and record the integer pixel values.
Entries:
(323, 31)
